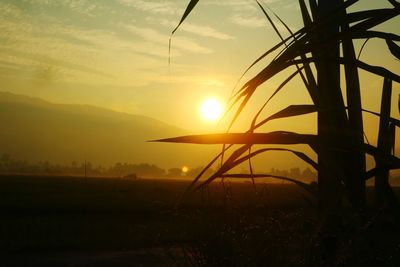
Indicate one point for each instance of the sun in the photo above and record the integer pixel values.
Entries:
(211, 109)
(185, 169)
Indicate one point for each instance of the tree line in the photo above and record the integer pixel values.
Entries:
(9, 164)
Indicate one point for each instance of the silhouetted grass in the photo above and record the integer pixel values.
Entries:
(325, 42)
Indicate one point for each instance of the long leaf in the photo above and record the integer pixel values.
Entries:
(394, 121)
(311, 85)
(365, 14)
(269, 99)
(301, 32)
(394, 48)
(375, 34)
(241, 107)
(290, 111)
(299, 154)
(301, 47)
(270, 20)
(208, 166)
(189, 9)
(310, 82)
(379, 170)
(381, 71)
(278, 137)
(394, 3)
(304, 12)
(384, 157)
(377, 70)
(314, 9)
(273, 69)
(303, 185)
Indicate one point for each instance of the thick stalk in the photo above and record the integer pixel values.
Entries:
(384, 144)
(332, 117)
(355, 164)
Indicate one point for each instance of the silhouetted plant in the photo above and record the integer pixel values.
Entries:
(325, 42)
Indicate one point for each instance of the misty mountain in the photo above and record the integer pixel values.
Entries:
(33, 129)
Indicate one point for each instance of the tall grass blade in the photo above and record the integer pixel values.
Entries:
(394, 3)
(377, 70)
(376, 34)
(290, 111)
(207, 167)
(302, 32)
(392, 120)
(310, 82)
(278, 137)
(394, 48)
(303, 185)
(382, 179)
(362, 48)
(365, 14)
(314, 9)
(270, 21)
(288, 79)
(299, 154)
(189, 9)
(392, 138)
(304, 13)
(300, 47)
(386, 158)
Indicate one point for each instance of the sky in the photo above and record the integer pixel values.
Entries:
(114, 54)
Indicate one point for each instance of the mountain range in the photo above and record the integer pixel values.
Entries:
(33, 129)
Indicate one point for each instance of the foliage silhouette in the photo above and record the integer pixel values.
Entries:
(326, 43)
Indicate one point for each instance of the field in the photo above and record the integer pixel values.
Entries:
(78, 221)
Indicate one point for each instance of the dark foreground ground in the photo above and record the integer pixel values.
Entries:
(77, 221)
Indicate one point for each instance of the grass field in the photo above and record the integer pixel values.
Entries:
(78, 221)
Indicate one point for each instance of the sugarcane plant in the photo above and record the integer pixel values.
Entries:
(317, 53)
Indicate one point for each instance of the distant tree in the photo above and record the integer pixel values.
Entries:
(295, 173)
(309, 175)
(5, 158)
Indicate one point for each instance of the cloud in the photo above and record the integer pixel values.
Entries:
(154, 7)
(90, 50)
(247, 13)
(252, 22)
(10, 11)
(199, 30)
(153, 36)
(235, 5)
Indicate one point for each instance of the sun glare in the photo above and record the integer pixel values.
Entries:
(211, 109)
(185, 169)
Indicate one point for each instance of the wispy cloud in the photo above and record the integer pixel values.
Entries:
(252, 22)
(154, 36)
(155, 7)
(247, 13)
(200, 30)
(105, 43)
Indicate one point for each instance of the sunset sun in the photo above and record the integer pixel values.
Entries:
(211, 109)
